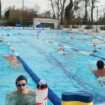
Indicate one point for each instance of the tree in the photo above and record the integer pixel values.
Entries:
(58, 8)
(7, 13)
(62, 3)
(71, 8)
(85, 19)
(17, 15)
(92, 8)
(52, 5)
(68, 12)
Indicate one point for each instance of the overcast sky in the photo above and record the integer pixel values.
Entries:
(43, 4)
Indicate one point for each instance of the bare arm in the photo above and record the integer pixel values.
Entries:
(91, 68)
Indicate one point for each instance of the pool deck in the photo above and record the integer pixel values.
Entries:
(88, 31)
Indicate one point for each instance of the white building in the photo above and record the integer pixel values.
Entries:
(47, 22)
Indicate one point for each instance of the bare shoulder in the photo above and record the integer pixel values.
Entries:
(31, 92)
(12, 93)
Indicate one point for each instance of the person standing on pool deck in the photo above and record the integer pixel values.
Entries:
(23, 95)
(100, 71)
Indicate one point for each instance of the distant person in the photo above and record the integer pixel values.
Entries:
(95, 48)
(13, 61)
(50, 41)
(100, 71)
(21, 96)
(38, 33)
(11, 58)
(8, 34)
(19, 33)
(62, 51)
(1, 41)
(71, 37)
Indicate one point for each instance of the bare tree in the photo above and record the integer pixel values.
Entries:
(58, 7)
(57, 2)
(69, 12)
(85, 18)
(62, 3)
(71, 8)
(92, 8)
(52, 5)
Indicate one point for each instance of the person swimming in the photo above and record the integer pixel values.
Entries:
(13, 61)
(50, 41)
(62, 51)
(38, 34)
(1, 41)
(22, 95)
(11, 58)
(95, 48)
(99, 72)
(8, 34)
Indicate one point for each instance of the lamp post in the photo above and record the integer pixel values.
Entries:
(22, 9)
(97, 20)
(0, 9)
(22, 5)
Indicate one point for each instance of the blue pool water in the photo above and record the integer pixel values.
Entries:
(8, 74)
(63, 74)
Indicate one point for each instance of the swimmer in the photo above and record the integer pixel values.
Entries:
(1, 41)
(71, 37)
(13, 60)
(61, 51)
(43, 39)
(19, 33)
(95, 48)
(37, 35)
(22, 95)
(50, 42)
(8, 34)
(100, 71)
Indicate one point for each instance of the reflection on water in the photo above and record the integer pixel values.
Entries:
(20, 99)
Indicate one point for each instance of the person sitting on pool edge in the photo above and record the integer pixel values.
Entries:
(100, 71)
(23, 95)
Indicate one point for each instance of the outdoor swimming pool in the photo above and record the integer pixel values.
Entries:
(63, 74)
(8, 74)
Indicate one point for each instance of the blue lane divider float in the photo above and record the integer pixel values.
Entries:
(51, 95)
(80, 51)
(97, 56)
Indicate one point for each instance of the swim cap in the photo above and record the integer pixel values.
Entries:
(42, 84)
(11, 57)
(21, 77)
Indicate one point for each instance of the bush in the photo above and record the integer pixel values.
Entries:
(102, 27)
(88, 27)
